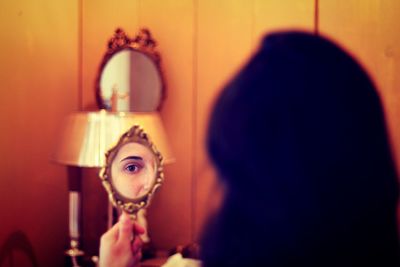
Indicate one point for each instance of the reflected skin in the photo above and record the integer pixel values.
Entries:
(133, 170)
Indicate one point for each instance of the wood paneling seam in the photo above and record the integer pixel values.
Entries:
(80, 55)
(316, 17)
(193, 194)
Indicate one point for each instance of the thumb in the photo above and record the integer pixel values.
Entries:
(125, 228)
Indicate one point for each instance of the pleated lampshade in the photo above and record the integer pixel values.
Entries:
(85, 137)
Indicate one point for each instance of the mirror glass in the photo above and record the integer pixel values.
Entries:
(130, 77)
(130, 81)
(133, 171)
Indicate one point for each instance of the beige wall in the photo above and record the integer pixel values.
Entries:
(39, 85)
(227, 34)
(369, 30)
(202, 43)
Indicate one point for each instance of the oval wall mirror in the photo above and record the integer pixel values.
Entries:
(133, 171)
(130, 77)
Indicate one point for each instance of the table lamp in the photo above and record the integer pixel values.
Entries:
(84, 139)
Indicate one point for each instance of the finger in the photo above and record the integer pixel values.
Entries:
(125, 228)
(111, 234)
(136, 245)
(137, 257)
(138, 229)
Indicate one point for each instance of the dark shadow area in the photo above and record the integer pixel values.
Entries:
(17, 242)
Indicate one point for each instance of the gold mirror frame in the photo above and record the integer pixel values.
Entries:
(131, 205)
(142, 43)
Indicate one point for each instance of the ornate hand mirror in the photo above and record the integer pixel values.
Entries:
(130, 77)
(133, 171)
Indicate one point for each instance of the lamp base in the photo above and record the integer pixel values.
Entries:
(73, 252)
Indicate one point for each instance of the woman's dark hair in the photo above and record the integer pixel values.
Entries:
(298, 137)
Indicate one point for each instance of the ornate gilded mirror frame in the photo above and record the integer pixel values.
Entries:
(131, 205)
(143, 43)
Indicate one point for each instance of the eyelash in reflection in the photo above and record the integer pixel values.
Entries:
(132, 168)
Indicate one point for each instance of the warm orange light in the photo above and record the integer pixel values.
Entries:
(87, 136)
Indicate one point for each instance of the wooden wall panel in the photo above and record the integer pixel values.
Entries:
(369, 30)
(38, 70)
(98, 22)
(272, 15)
(99, 19)
(171, 22)
(227, 34)
(223, 42)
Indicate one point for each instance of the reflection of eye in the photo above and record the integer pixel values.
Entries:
(133, 168)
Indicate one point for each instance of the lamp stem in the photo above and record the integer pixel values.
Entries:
(74, 202)
(74, 186)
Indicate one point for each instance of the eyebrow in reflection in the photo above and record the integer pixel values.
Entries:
(132, 157)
